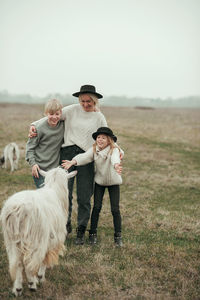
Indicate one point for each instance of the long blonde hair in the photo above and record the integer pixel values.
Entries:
(111, 143)
(94, 99)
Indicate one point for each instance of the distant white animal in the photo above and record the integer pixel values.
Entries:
(34, 228)
(11, 154)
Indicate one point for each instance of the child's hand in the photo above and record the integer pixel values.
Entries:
(32, 131)
(68, 163)
(121, 155)
(35, 170)
(118, 168)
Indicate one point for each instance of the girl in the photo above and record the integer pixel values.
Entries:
(106, 155)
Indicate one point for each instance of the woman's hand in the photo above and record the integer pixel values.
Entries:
(35, 170)
(118, 168)
(32, 131)
(68, 163)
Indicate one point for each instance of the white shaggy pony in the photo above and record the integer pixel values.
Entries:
(34, 228)
(11, 154)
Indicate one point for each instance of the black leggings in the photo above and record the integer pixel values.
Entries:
(114, 193)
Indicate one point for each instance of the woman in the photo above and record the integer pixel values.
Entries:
(81, 120)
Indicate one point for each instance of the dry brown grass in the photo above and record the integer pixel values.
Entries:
(159, 206)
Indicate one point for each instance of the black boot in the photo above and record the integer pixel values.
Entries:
(69, 227)
(118, 239)
(92, 238)
(80, 235)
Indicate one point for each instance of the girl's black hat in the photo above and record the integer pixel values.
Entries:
(87, 89)
(104, 130)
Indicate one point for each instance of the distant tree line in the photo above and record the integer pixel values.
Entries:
(190, 101)
(29, 99)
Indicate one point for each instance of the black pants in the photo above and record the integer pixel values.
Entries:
(84, 185)
(114, 193)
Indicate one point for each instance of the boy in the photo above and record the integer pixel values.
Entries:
(43, 150)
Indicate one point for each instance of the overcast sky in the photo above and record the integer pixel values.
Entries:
(147, 48)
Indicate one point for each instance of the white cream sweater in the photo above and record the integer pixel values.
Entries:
(105, 173)
(80, 125)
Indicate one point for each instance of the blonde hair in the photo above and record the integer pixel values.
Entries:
(93, 98)
(52, 106)
(111, 143)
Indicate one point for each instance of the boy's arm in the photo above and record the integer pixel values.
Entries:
(30, 150)
(30, 155)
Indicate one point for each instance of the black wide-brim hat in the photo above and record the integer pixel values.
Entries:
(104, 130)
(87, 89)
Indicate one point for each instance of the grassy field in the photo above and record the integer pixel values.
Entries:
(160, 207)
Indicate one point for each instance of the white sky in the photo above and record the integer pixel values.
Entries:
(147, 48)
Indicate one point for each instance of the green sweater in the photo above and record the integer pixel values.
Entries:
(44, 149)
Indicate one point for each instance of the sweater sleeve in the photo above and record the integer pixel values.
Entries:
(30, 150)
(121, 151)
(38, 122)
(115, 157)
(103, 121)
(85, 158)
(67, 109)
